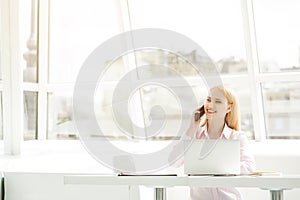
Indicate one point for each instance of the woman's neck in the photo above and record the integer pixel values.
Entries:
(215, 129)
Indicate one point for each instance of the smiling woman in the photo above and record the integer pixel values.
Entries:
(221, 108)
(221, 121)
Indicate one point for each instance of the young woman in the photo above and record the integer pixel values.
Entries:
(222, 121)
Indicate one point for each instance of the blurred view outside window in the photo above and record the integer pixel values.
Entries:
(215, 25)
(278, 41)
(282, 110)
(28, 62)
(278, 35)
(219, 33)
(76, 28)
(60, 116)
(71, 42)
(28, 39)
(30, 115)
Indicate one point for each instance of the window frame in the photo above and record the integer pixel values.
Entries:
(12, 75)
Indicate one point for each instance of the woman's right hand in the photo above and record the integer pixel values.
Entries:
(195, 121)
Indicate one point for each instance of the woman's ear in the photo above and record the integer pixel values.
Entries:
(228, 108)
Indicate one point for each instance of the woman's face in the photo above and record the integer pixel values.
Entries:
(216, 105)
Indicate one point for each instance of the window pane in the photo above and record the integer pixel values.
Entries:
(175, 114)
(61, 124)
(169, 61)
(215, 25)
(30, 115)
(60, 117)
(103, 108)
(278, 30)
(154, 95)
(282, 111)
(76, 32)
(28, 39)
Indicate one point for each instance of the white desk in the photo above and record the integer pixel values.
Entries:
(275, 184)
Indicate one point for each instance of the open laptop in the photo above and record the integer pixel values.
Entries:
(212, 157)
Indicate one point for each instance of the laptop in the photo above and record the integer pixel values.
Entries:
(212, 157)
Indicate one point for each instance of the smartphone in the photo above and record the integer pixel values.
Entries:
(199, 114)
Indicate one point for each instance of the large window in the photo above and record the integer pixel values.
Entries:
(70, 43)
(278, 35)
(281, 108)
(278, 47)
(254, 44)
(217, 29)
(217, 26)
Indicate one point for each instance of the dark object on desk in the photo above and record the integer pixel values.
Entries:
(213, 174)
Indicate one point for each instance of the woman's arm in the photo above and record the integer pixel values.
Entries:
(247, 159)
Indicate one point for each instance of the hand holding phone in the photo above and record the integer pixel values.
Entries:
(199, 113)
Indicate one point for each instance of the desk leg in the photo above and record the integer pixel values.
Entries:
(160, 194)
(276, 194)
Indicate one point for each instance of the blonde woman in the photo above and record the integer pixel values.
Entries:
(222, 120)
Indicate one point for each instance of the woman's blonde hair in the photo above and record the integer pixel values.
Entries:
(232, 118)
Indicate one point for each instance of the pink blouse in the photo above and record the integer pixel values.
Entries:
(247, 165)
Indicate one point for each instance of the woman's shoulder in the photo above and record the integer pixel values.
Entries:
(238, 135)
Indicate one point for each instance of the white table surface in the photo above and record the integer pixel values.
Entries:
(267, 182)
